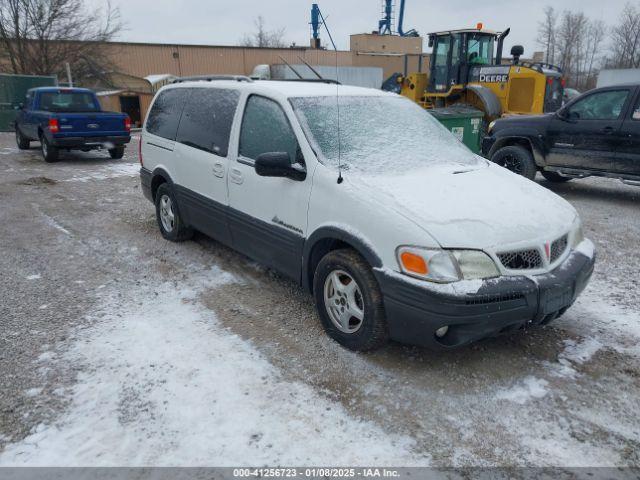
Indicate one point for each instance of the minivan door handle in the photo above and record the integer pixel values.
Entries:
(218, 169)
(236, 176)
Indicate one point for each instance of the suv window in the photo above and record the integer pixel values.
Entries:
(265, 129)
(164, 117)
(207, 118)
(600, 106)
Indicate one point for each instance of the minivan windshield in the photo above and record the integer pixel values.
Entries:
(378, 134)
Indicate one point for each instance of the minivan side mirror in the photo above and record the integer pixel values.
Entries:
(278, 164)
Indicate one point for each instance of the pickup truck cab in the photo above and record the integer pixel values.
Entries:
(70, 119)
(595, 134)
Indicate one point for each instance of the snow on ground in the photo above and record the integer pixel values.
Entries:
(109, 170)
(529, 388)
(162, 383)
(595, 315)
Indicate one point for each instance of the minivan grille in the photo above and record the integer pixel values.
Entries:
(558, 248)
(521, 260)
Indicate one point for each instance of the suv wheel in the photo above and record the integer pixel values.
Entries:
(49, 152)
(349, 301)
(517, 159)
(116, 153)
(170, 222)
(555, 177)
(23, 143)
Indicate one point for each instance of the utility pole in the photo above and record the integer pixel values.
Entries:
(69, 79)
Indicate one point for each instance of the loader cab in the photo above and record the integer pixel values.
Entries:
(455, 53)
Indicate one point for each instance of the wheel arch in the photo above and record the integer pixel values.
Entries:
(327, 239)
(158, 177)
(488, 100)
(521, 141)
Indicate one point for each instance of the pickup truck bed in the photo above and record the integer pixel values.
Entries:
(70, 119)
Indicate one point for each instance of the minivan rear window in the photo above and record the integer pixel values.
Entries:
(164, 117)
(207, 119)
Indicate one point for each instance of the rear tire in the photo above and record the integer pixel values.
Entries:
(23, 143)
(516, 159)
(172, 226)
(49, 152)
(349, 301)
(116, 153)
(555, 177)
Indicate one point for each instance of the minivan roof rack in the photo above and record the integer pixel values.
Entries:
(309, 80)
(212, 78)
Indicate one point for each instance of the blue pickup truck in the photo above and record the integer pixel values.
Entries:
(70, 119)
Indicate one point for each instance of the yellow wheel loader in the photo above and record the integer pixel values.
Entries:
(464, 70)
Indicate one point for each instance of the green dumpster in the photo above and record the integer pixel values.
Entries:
(13, 89)
(464, 122)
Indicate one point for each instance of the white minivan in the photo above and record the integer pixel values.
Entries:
(360, 196)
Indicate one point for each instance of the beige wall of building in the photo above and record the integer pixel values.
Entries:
(141, 59)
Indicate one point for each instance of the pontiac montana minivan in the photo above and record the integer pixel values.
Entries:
(395, 227)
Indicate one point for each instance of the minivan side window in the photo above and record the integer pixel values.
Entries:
(164, 117)
(600, 106)
(207, 119)
(266, 129)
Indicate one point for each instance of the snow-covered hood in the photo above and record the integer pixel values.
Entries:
(481, 206)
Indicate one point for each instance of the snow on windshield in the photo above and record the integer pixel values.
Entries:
(378, 134)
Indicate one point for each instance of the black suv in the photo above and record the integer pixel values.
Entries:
(597, 133)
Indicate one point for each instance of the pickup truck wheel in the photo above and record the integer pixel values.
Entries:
(517, 159)
(23, 143)
(116, 153)
(555, 177)
(349, 301)
(168, 215)
(50, 153)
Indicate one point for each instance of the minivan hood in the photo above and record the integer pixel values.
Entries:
(474, 207)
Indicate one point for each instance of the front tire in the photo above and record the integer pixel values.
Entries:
(349, 301)
(49, 152)
(555, 177)
(516, 159)
(23, 143)
(172, 226)
(116, 153)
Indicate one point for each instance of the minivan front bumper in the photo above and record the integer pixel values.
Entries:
(415, 311)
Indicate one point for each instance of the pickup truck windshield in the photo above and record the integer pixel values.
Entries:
(68, 102)
(378, 134)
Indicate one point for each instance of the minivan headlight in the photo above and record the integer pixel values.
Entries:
(445, 266)
(475, 264)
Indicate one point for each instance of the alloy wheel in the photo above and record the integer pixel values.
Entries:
(344, 301)
(167, 216)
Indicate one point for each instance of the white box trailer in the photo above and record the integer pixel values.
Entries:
(369, 77)
(607, 78)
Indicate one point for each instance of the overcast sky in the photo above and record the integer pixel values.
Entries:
(218, 22)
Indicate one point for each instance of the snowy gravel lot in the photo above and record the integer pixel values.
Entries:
(119, 348)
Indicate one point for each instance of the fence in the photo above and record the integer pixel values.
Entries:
(13, 89)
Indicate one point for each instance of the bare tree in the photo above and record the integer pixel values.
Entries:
(263, 37)
(38, 37)
(625, 39)
(594, 58)
(578, 40)
(547, 34)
